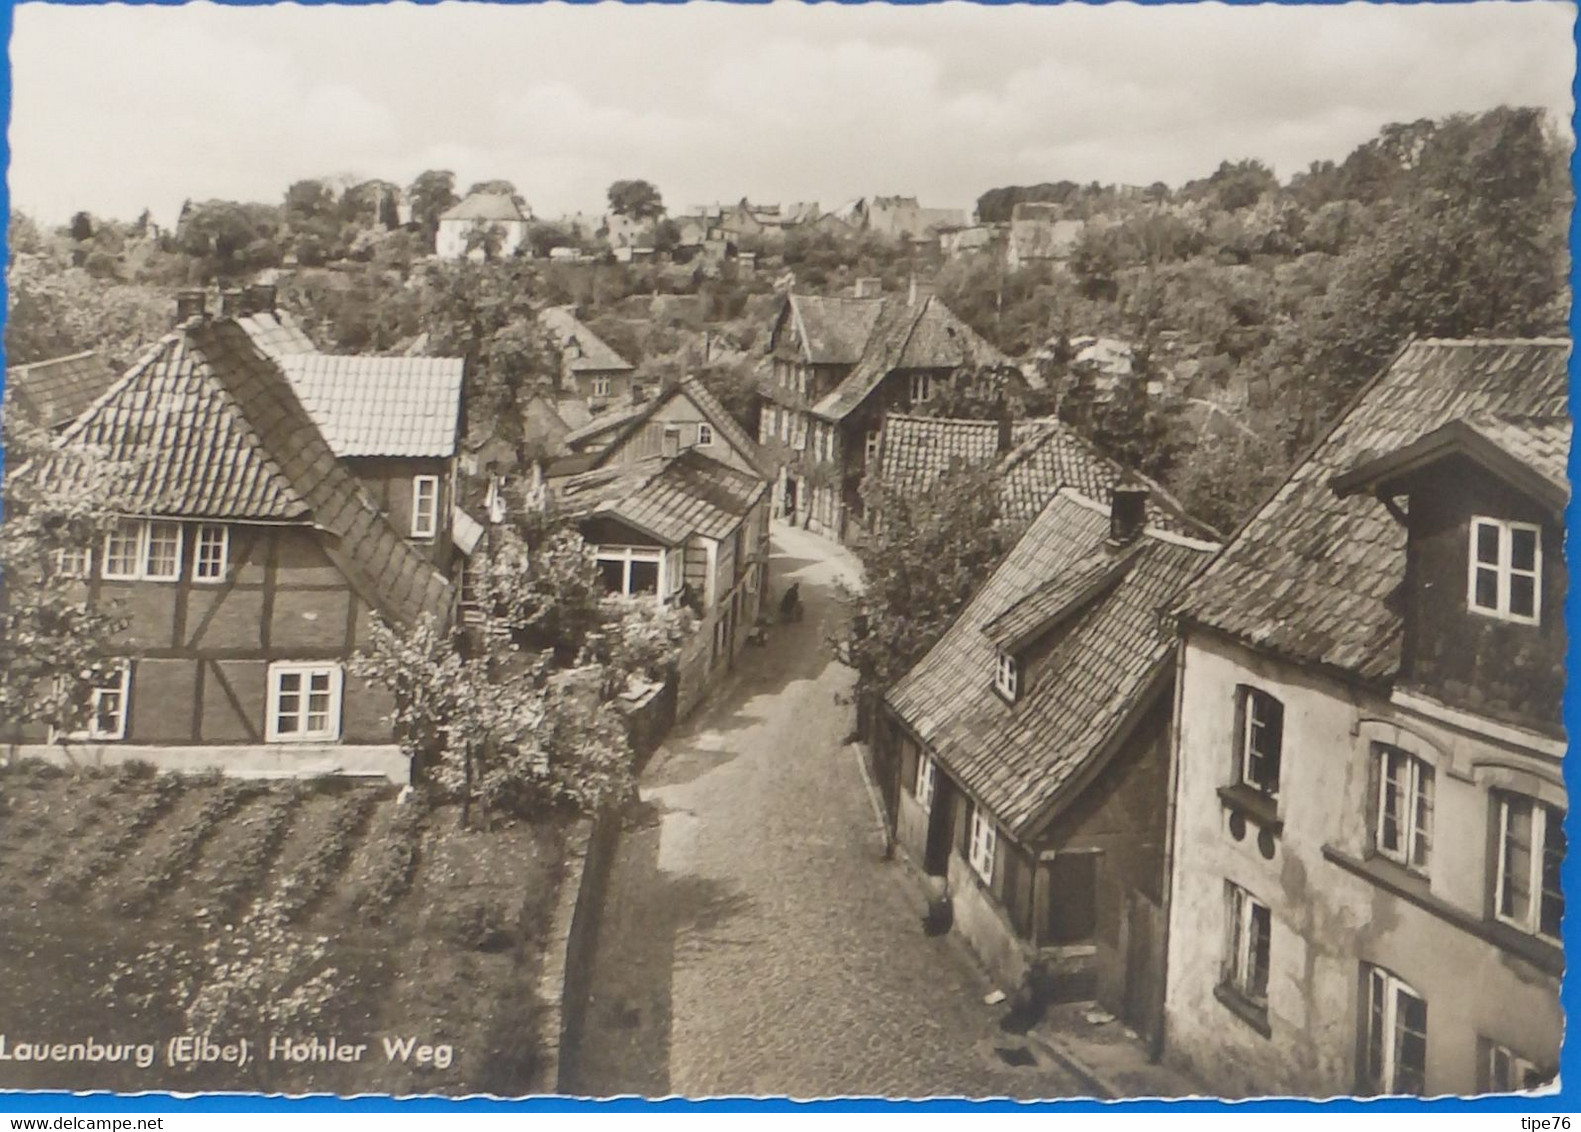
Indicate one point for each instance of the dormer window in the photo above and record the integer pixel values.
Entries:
(1007, 676)
(1505, 562)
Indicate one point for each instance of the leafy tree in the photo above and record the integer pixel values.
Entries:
(637, 199)
(81, 227)
(431, 194)
(53, 637)
(230, 239)
(486, 238)
(929, 553)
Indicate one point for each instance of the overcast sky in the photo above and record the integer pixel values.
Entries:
(118, 107)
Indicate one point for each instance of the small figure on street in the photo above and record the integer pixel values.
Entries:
(790, 603)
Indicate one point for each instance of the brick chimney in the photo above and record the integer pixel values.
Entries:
(190, 304)
(232, 304)
(1127, 513)
(1006, 432)
(260, 299)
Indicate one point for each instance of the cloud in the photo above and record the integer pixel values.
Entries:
(714, 101)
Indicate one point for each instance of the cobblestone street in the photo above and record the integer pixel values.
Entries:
(754, 941)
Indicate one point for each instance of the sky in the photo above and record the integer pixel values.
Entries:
(119, 107)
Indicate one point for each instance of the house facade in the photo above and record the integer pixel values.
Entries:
(1365, 892)
(590, 370)
(249, 563)
(1025, 759)
(496, 217)
(838, 366)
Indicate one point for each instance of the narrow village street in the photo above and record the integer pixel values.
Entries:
(754, 940)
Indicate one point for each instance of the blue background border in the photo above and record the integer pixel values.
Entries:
(1569, 1061)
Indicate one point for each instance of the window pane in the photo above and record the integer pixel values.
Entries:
(613, 572)
(1261, 931)
(164, 550)
(1515, 883)
(1523, 549)
(1487, 543)
(644, 577)
(1375, 1000)
(1410, 1059)
(1422, 846)
(1485, 594)
(1553, 900)
(120, 549)
(1523, 595)
(1391, 817)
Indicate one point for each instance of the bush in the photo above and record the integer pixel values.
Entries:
(395, 861)
(314, 875)
(483, 925)
(154, 799)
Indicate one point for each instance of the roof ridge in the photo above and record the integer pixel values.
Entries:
(1550, 340)
(53, 361)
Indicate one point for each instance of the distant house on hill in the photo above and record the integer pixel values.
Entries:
(902, 217)
(461, 227)
(54, 393)
(1039, 233)
(589, 368)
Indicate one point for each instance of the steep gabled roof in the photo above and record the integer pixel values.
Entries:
(380, 406)
(210, 428)
(485, 206)
(924, 335)
(1530, 453)
(1310, 575)
(670, 499)
(582, 349)
(832, 329)
(1102, 647)
(276, 333)
(55, 392)
(609, 422)
(1045, 455)
(692, 388)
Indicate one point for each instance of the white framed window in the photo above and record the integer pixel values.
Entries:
(985, 840)
(304, 702)
(1508, 1072)
(799, 436)
(425, 506)
(1403, 823)
(1527, 892)
(74, 562)
(1505, 570)
(870, 446)
(1261, 740)
(921, 387)
(142, 549)
(1007, 675)
(1395, 1035)
(705, 435)
(108, 704)
(601, 387)
(123, 550)
(212, 554)
(787, 422)
(630, 570)
(927, 772)
(1247, 944)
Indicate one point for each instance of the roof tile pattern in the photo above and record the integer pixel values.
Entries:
(669, 499)
(1541, 443)
(833, 328)
(379, 406)
(277, 333)
(583, 350)
(55, 393)
(1309, 576)
(1017, 760)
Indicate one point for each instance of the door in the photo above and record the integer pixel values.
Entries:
(941, 827)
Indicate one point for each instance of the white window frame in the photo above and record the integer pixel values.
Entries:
(626, 555)
(601, 387)
(1414, 792)
(1542, 815)
(921, 388)
(1504, 570)
(74, 562)
(140, 534)
(1007, 675)
(927, 781)
(705, 435)
(204, 533)
(330, 733)
(122, 689)
(799, 434)
(983, 845)
(1241, 944)
(425, 520)
(1508, 1072)
(1251, 727)
(1392, 988)
(870, 446)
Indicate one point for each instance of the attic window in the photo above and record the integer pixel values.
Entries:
(1007, 675)
(1505, 562)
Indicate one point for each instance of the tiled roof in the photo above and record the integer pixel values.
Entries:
(669, 499)
(833, 329)
(1541, 443)
(583, 350)
(276, 333)
(708, 405)
(54, 393)
(484, 206)
(921, 335)
(1310, 575)
(1092, 668)
(1065, 592)
(380, 406)
(210, 428)
(607, 422)
(1046, 454)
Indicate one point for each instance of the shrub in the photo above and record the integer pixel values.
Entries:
(313, 876)
(153, 799)
(240, 879)
(483, 925)
(394, 862)
(179, 856)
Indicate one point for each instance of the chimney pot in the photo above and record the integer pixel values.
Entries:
(260, 299)
(231, 303)
(1127, 513)
(1005, 433)
(190, 304)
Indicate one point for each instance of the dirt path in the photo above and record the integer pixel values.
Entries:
(754, 941)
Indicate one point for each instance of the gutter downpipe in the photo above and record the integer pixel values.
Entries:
(1156, 1046)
